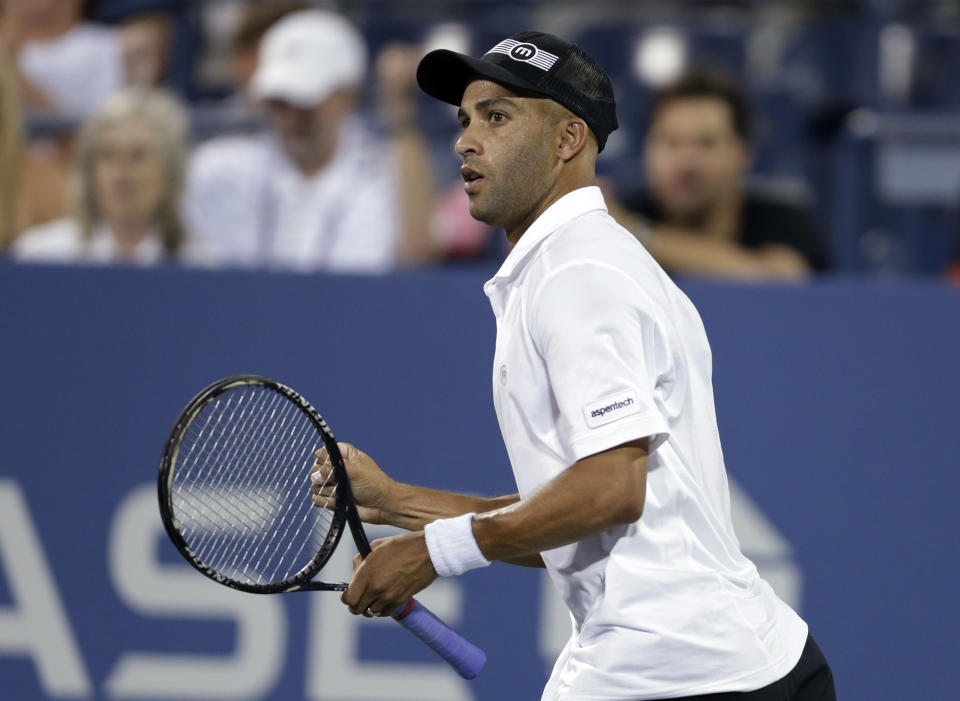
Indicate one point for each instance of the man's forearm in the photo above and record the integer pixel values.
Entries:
(411, 508)
(596, 493)
(701, 255)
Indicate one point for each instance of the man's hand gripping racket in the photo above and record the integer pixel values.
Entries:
(234, 497)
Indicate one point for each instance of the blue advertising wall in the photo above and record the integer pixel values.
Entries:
(838, 411)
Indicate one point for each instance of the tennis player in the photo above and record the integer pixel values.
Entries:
(602, 387)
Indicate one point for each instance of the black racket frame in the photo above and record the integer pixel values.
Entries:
(345, 511)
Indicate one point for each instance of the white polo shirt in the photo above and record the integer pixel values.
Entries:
(250, 205)
(596, 346)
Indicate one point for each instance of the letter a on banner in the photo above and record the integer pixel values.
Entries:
(36, 625)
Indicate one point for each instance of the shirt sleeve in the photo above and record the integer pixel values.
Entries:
(595, 328)
(223, 201)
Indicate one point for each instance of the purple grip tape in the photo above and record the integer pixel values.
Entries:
(463, 656)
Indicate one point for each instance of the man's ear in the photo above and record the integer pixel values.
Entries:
(574, 137)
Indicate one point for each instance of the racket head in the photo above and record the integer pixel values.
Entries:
(208, 476)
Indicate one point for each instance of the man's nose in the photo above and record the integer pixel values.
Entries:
(467, 143)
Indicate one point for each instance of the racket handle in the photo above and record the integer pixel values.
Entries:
(462, 655)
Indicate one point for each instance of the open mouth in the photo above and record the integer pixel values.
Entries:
(471, 178)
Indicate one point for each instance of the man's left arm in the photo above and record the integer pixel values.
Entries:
(598, 492)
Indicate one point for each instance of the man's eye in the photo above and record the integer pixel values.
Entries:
(497, 116)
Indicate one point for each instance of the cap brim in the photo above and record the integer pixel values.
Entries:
(445, 74)
(279, 84)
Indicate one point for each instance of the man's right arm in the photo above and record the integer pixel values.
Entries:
(382, 500)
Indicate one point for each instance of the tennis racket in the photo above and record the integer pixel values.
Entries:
(234, 492)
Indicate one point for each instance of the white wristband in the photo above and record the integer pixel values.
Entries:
(452, 547)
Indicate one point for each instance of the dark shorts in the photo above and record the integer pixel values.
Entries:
(810, 680)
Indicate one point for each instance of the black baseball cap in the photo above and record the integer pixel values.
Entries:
(534, 61)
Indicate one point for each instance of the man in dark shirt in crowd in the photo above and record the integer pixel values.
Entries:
(697, 217)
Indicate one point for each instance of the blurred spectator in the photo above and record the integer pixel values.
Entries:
(460, 237)
(256, 19)
(318, 191)
(33, 183)
(129, 172)
(145, 40)
(67, 66)
(698, 216)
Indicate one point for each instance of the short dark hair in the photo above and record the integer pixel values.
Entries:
(710, 84)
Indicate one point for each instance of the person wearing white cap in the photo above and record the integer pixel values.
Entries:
(317, 190)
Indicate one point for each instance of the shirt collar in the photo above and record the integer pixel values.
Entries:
(567, 208)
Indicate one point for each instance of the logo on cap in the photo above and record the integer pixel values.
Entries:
(525, 53)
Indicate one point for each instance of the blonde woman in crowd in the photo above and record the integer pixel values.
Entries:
(128, 181)
(33, 185)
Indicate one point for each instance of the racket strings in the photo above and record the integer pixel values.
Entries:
(217, 492)
(240, 489)
(258, 457)
(271, 519)
(285, 425)
(278, 556)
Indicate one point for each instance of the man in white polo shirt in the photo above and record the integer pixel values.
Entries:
(602, 386)
(318, 191)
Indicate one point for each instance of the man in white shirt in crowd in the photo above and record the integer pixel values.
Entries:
(602, 387)
(318, 191)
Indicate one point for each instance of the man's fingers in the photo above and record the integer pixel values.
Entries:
(319, 477)
(322, 482)
(326, 502)
(348, 451)
(352, 596)
(359, 597)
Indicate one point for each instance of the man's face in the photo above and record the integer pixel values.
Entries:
(694, 158)
(308, 134)
(506, 149)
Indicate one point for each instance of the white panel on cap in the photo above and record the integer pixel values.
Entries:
(543, 60)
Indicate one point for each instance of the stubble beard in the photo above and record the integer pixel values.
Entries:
(507, 197)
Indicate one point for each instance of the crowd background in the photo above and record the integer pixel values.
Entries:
(137, 130)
